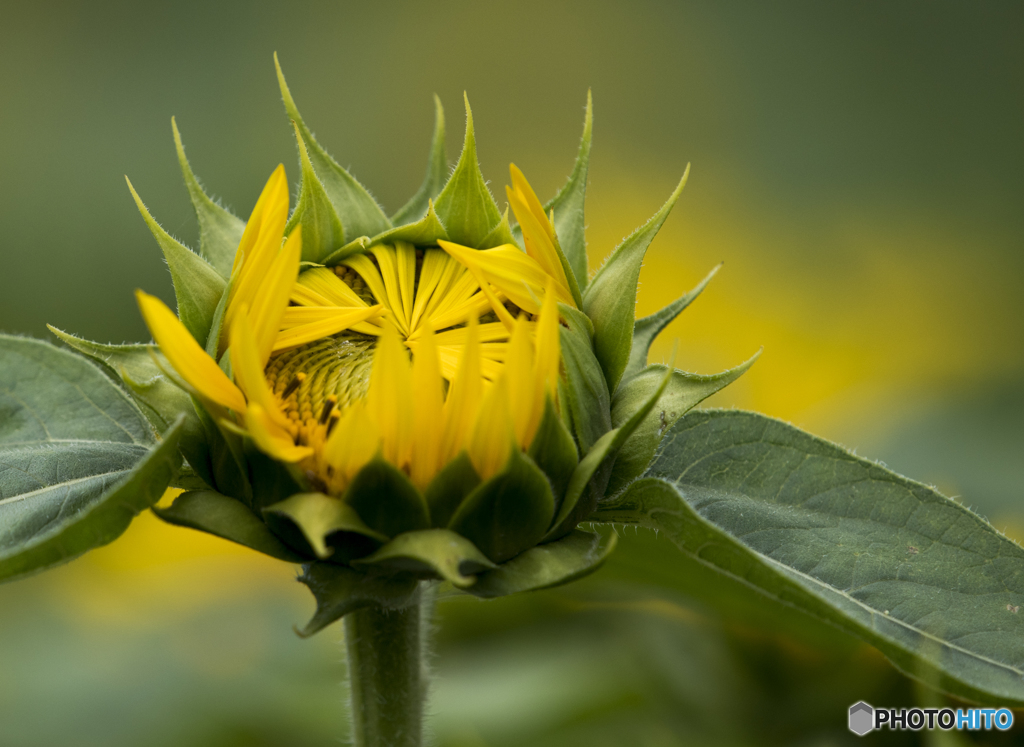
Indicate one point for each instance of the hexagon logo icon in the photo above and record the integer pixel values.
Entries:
(862, 718)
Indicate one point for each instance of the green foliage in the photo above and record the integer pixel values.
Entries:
(308, 519)
(220, 231)
(576, 555)
(197, 286)
(358, 211)
(449, 489)
(465, 205)
(585, 388)
(211, 512)
(554, 451)
(610, 300)
(322, 231)
(802, 521)
(437, 172)
(386, 500)
(78, 460)
(431, 552)
(340, 590)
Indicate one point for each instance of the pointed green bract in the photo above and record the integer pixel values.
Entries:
(211, 512)
(646, 329)
(357, 210)
(610, 300)
(220, 231)
(340, 590)
(386, 500)
(576, 555)
(197, 286)
(684, 392)
(931, 584)
(508, 513)
(554, 451)
(424, 232)
(433, 182)
(568, 205)
(501, 234)
(322, 231)
(465, 205)
(431, 551)
(449, 489)
(316, 516)
(585, 387)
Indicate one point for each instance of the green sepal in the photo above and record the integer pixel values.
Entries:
(500, 235)
(357, 210)
(431, 552)
(594, 471)
(425, 232)
(157, 396)
(222, 516)
(220, 231)
(449, 489)
(646, 329)
(213, 346)
(465, 205)
(88, 512)
(568, 205)
(509, 512)
(197, 286)
(610, 300)
(271, 481)
(339, 590)
(305, 521)
(433, 182)
(554, 451)
(322, 230)
(386, 500)
(225, 465)
(586, 390)
(684, 391)
(574, 556)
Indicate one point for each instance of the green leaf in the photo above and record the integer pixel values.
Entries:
(322, 232)
(500, 235)
(449, 489)
(437, 170)
(339, 590)
(306, 520)
(431, 552)
(222, 516)
(220, 231)
(76, 457)
(357, 210)
(386, 500)
(465, 205)
(684, 392)
(425, 232)
(568, 205)
(587, 392)
(554, 451)
(646, 329)
(509, 512)
(610, 300)
(805, 522)
(574, 556)
(197, 286)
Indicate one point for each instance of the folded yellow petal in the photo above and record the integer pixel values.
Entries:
(198, 369)
(271, 439)
(428, 403)
(300, 325)
(493, 435)
(248, 371)
(389, 397)
(270, 304)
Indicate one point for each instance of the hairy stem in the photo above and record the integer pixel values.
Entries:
(387, 675)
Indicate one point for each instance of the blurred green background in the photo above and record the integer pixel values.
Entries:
(858, 166)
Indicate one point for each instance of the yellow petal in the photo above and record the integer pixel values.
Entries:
(428, 403)
(525, 405)
(460, 408)
(539, 235)
(324, 288)
(389, 397)
(493, 436)
(548, 336)
(198, 369)
(367, 270)
(270, 438)
(272, 300)
(300, 324)
(247, 369)
(353, 442)
(274, 192)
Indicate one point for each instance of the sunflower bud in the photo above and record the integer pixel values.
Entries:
(434, 395)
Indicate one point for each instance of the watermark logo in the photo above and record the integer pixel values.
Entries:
(864, 718)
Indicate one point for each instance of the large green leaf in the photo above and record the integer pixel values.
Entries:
(433, 182)
(358, 211)
(197, 286)
(465, 205)
(77, 457)
(568, 205)
(220, 231)
(931, 584)
(610, 300)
